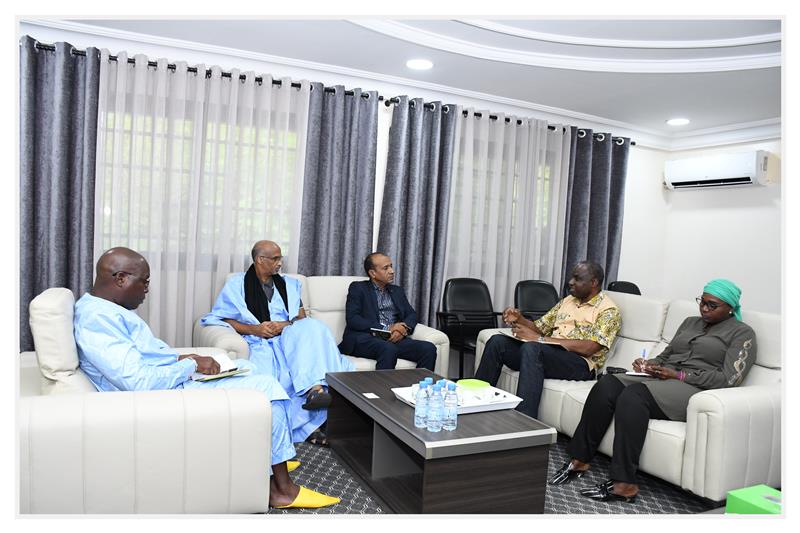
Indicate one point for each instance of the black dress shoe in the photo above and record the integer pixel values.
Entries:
(594, 489)
(604, 492)
(317, 399)
(565, 474)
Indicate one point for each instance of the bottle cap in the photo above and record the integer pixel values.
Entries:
(423, 384)
(451, 386)
(428, 380)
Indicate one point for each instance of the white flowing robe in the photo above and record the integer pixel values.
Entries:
(298, 358)
(118, 352)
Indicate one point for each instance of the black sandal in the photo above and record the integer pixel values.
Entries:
(318, 437)
(317, 399)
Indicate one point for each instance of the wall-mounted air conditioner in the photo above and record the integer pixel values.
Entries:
(757, 167)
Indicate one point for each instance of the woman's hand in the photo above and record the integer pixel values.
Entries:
(661, 372)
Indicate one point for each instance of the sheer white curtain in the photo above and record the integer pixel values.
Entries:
(191, 171)
(508, 203)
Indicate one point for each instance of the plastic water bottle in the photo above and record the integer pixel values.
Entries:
(450, 420)
(435, 409)
(421, 406)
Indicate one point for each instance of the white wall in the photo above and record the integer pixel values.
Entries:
(673, 242)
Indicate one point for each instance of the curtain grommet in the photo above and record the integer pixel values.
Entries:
(599, 137)
(620, 141)
(581, 134)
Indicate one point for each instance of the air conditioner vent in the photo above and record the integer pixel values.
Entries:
(721, 170)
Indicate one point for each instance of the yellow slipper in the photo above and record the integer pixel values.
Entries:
(309, 499)
(292, 465)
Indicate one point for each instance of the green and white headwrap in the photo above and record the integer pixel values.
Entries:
(726, 291)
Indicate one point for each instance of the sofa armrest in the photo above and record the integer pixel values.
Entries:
(177, 451)
(480, 343)
(442, 343)
(207, 351)
(733, 440)
(221, 337)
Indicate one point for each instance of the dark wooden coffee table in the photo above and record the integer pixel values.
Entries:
(494, 462)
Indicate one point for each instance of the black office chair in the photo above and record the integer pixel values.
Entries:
(466, 310)
(535, 297)
(624, 286)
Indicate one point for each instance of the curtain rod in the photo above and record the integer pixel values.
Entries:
(171, 66)
(478, 114)
(259, 80)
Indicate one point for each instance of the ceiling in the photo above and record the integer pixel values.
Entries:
(721, 74)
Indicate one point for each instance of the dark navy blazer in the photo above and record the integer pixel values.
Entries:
(361, 311)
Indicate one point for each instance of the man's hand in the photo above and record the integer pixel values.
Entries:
(639, 365)
(524, 333)
(399, 331)
(511, 315)
(269, 329)
(205, 364)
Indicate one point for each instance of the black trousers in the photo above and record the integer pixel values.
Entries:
(632, 407)
(386, 353)
(535, 362)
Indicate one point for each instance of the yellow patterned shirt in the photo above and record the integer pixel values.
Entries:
(597, 320)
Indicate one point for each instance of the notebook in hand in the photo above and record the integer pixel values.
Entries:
(382, 333)
(226, 368)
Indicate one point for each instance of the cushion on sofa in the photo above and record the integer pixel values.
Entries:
(768, 328)
(328, 304)
(678, 311)
(51, 314)
(642, 318)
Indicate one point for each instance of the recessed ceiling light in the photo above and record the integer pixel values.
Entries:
(678, 121)
(419, 64)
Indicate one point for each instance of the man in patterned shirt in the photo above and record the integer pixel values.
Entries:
(571, 341)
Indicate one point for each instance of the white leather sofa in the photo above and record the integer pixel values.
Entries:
(159, 452)
(324, 298)
(732, 436)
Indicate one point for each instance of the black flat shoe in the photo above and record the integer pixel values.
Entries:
(565, 474)
(605, 493)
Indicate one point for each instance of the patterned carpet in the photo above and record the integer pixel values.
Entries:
(322, 470)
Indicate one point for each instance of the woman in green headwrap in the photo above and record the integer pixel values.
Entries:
(710, 351)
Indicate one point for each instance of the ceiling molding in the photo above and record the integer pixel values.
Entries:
(644, 137)
(750, 132)
(621, 43)
(444, 43)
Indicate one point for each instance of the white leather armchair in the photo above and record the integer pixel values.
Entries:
(324, 298)
(176, 451)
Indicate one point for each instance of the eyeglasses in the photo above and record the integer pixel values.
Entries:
(712, 306)
(274, 259)
(118, 272)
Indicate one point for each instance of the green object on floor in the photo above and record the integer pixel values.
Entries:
(758, 499)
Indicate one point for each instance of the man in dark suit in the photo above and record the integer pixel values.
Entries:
(378, 304)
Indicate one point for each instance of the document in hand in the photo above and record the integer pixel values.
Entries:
(382, 333)
(507, 332)
(226, 368)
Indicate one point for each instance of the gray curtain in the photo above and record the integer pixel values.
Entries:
(596, 200)
(58, 133)
(339, 182)
(416, 198)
